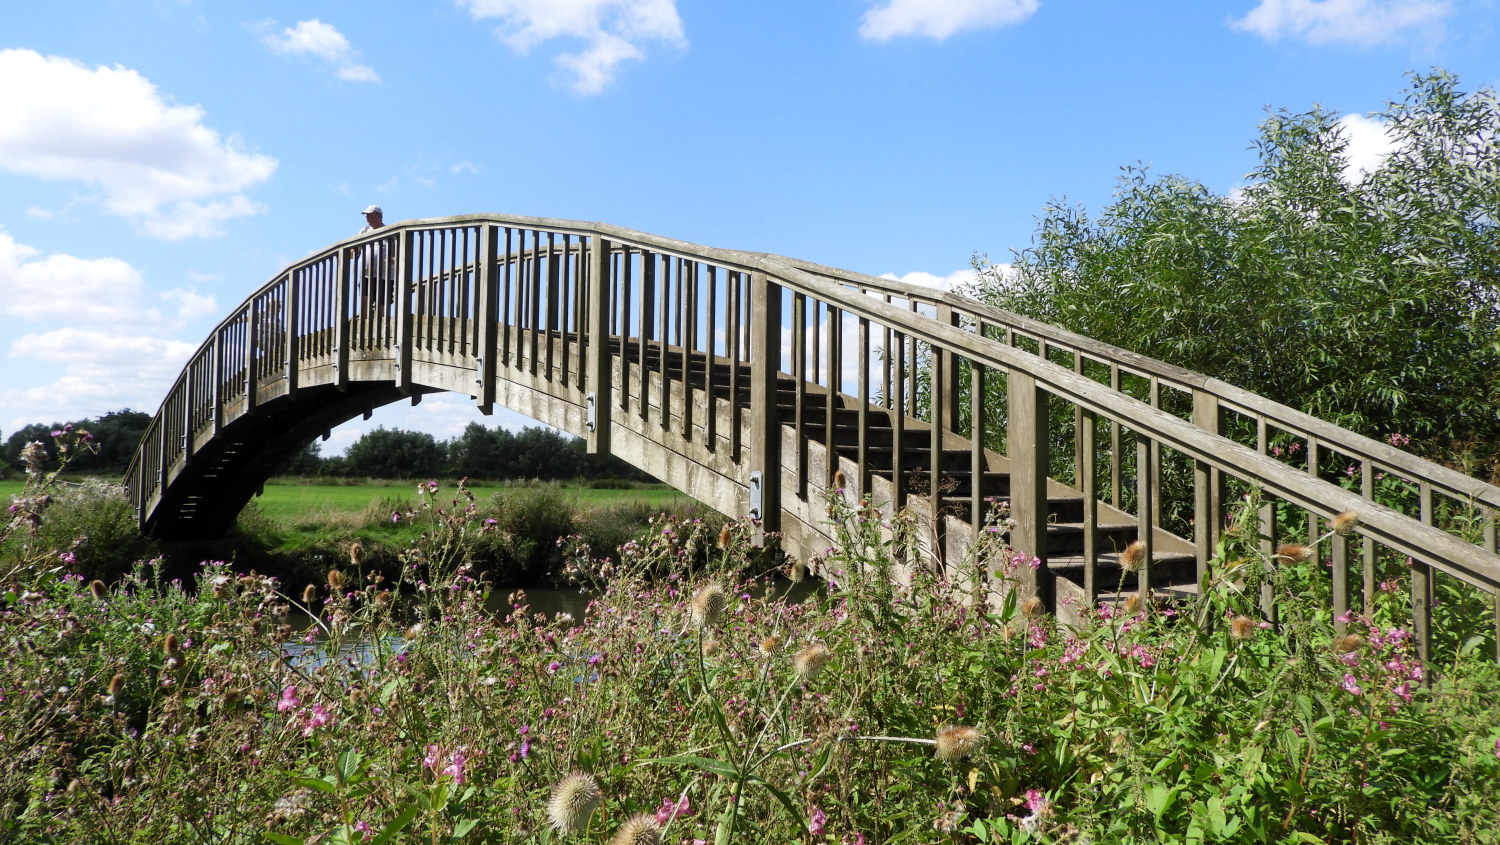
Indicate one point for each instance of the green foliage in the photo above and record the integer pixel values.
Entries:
(395, 453)
(115, 436)
(1370, 302)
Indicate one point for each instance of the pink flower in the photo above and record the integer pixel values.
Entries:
(669, 810)
(817, 822)
(319, 718)
(1035, 801)
(289, 699)
(1350, 686)
(364, 828)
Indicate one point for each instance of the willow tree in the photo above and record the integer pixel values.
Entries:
(1371, 300)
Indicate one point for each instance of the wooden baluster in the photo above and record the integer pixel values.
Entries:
(765, 431)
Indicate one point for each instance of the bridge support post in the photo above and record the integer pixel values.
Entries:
(489, 318)
(596, 378)
(765, 425)
(407, 283)
(1208, 498)
(1028, 449)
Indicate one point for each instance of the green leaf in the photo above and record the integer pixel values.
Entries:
(350, 767)
(707, 764)
(396, 825)
(282, 839)
(786, 802)
(319, 784)
(461, 829)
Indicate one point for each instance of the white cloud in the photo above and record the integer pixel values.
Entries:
(318, 40)
(154, 162)
(956, 280)
(1360, 22)
(94, 291)
(939, 19)
(612, 31)
(101, 371)
(1369, 144)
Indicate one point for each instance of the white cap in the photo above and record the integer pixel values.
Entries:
(374, 209)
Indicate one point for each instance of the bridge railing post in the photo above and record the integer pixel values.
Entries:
(487, 317)
(1027, 446)
(765, 425)
(406, 248)
(342, 268)
(599, 397)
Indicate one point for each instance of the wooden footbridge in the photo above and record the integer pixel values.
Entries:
(748, 380)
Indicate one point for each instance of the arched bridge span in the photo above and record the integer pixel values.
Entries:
(748, 380)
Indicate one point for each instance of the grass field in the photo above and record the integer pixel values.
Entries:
(283, 501)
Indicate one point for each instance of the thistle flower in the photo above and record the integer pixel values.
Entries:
(956, 742)
(357, 553)
(309, 594)
(1344, 522)
(1243, 628)
(99, 591)
(809, 662)
(769, 645)
(573, 802)
(335, 580)
(1133, 556)
(639, 829)
(1295, 553)
(708, 605)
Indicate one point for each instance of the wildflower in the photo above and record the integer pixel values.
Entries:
(289, 699)
(817, 822)
(670, 810)
(769, 645)
(1242, 628)
(639, 829)
(98, 590)
(573, 801)
(1295, 553)
(1133, 556)
(1344, 523)
(1350, 686)
(319, 717)
(396, 517)
(956, 742)
(809, 662)
(708, 605)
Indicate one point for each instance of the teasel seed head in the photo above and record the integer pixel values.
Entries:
(573, 801)
(957, 742)
(171, 647)
(1133, 556)
(309, 594)
(798, 572)
(1243, 628)
(335, 580)
(98, 590)
(840, 481)
(357, 553)
(1032, 606)
(383, 598)
(769, 645)
(708, 605)
(1133, 603)
(1295, 553)
(726, 534)
(809, 662)
(1348, 643)
(710, 647)
(639, 829)
(1344, 522)
(117, 683)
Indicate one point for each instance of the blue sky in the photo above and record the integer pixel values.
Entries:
(161, 159)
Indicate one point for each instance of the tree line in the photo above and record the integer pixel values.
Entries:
(479, 452)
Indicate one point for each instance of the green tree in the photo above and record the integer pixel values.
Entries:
(395, 453)
(1371, 301)
(481, 452)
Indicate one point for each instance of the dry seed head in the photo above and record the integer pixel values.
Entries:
(116, 683)
(1032, 606)
(769, 645)
(1295, 553)
(809, 662)
(710, 647)
(708, 605)
(1345, 522)
(1243, 628)
(725, 535)
(335, 580)
(956, 742)
(309, 594)
(1133, 556)
(1348, 643)
(99, 591)
(383, 598)
(798, 572)
(357, 553)
(840, 481)
(1133, 604)
(573, 801)
(639, 829)
(171, 646)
